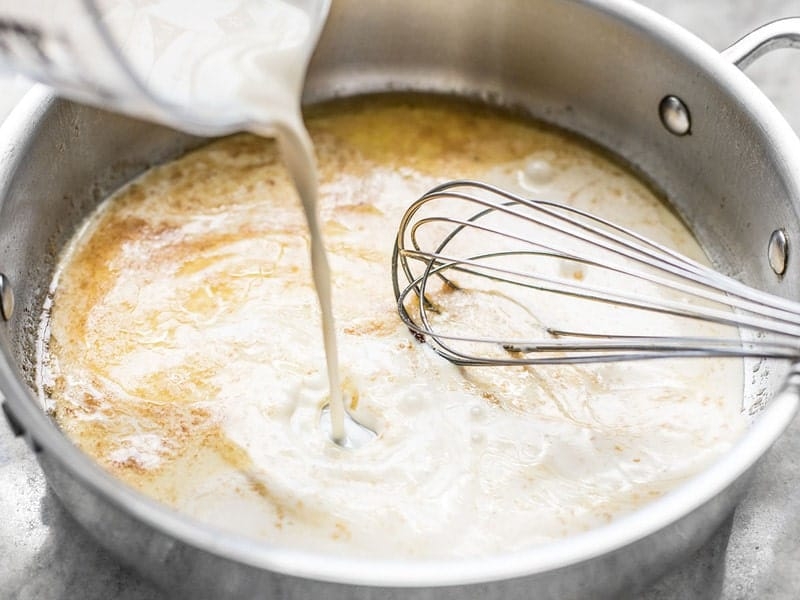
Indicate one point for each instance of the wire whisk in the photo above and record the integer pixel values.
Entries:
(486, 277)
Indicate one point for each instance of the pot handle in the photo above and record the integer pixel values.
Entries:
(783, 33)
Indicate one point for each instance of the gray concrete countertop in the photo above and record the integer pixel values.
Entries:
(756, 554)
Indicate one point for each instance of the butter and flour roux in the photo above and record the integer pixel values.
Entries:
(185, 355)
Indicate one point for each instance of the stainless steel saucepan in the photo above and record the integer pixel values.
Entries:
(676, 110)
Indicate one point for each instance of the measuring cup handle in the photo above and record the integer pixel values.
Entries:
(783, 33)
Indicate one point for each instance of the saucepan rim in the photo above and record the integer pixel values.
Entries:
(17, 134)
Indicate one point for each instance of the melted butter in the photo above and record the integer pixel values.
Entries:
(184, 351)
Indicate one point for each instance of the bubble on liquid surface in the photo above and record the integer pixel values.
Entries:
(536, 174)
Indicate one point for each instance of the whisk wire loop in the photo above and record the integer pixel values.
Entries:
(509, 252)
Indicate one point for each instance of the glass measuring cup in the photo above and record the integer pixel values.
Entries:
(206, 66)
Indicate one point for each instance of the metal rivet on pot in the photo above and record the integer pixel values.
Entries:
(778, 251)
(6, 297)
(675, 115)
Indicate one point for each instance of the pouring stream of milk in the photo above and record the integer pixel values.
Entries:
(298, 154)
(243, 62)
